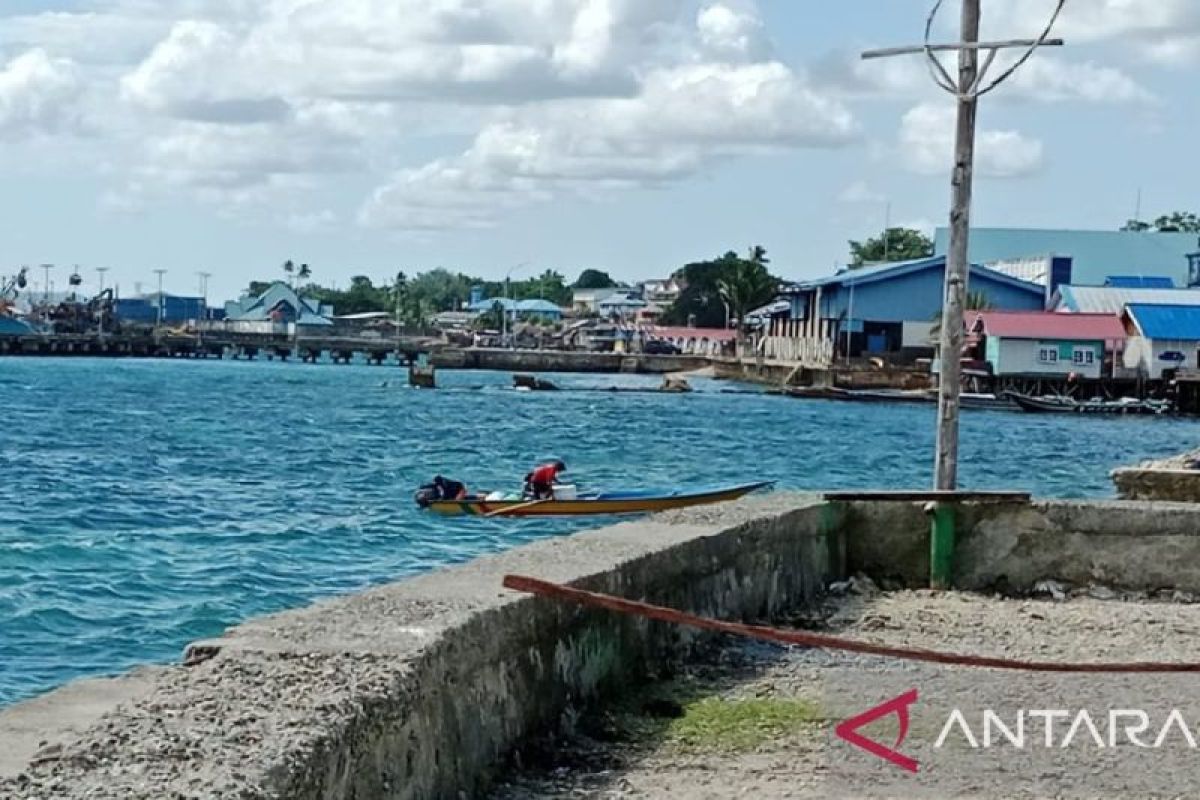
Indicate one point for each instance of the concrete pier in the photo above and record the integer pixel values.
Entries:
(422, 689)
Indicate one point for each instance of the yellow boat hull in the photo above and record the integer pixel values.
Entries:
(615, 503)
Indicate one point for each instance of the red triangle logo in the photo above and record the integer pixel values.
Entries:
(848, 730)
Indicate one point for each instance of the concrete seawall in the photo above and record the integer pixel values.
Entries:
(1158, 483)
(419, 689)
(423, 688)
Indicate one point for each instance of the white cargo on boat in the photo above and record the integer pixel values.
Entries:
(566, 492)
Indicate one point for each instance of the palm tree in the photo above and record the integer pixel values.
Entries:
(290, 269)
(974, 301)
(303, 273)
(745, 284)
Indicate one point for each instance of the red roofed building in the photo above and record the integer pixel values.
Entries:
(1046, 344)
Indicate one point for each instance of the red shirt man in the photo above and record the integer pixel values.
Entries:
(539, 484)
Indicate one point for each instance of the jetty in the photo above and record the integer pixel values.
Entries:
(363, 696)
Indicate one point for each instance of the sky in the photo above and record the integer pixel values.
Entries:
(365, 137)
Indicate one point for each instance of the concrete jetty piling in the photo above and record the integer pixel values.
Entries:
(423, 688)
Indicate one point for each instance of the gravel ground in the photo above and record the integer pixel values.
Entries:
(646, 745)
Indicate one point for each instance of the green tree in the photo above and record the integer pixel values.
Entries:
(442, 290)
(746, 285)
(974, 301)
(895, 244)
(594, 279)
(721, 288)
(1175, 222)
(289, 269)
(303, 272)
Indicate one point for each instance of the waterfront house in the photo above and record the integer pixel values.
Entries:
(1114, 298)
(1094, 256)
(587, 301)
(486, 304)
(1162, 339)
(279, 307)
(538, 309)
(883, 310)
(620, 305)
(662, 292)
(1042, 344)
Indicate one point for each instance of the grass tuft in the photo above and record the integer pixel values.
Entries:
(732, 725)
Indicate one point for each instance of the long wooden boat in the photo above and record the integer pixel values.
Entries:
(1066, 405)
(621, 502)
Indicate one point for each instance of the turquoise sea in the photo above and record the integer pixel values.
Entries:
(144, 504)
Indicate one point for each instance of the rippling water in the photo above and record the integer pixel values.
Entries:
(145, 504)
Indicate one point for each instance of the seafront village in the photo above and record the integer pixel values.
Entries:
(490, 679)
(1073, 316)
(759, 639)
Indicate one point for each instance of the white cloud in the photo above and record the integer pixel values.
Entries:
(1167, 31)
(846, 72)
(1049, 79)
(727, 30)
(38, 94)
(181, 78)
(684, 118)
(926, 145)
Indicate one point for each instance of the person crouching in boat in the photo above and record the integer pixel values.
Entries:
(450, 489)
(440, 489)
(539, 484)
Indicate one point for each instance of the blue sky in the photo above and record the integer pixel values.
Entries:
(367, 136)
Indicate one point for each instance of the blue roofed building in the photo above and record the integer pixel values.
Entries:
(1113, 299)
(890, 308)
(279, 305)
(1095, 256)
(539, 309)
(1162, 338)
(620, 305)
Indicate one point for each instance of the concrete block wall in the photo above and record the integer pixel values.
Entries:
(1011, 546)
(421, 689)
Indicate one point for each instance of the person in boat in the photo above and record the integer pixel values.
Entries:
(539, 484)
(441, 488)
(449, 489)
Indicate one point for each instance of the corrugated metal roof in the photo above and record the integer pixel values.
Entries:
(538, 307)
(622, 301)
(879, 272)
(1167, 322)
(1047, 325)
(1139, 282)
(1094, 254)
(1112, 300)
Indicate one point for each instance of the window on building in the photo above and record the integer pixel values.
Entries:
(1084, 357)
(1047, 355)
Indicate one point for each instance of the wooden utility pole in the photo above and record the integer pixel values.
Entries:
(957, 271)
(967, 90)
